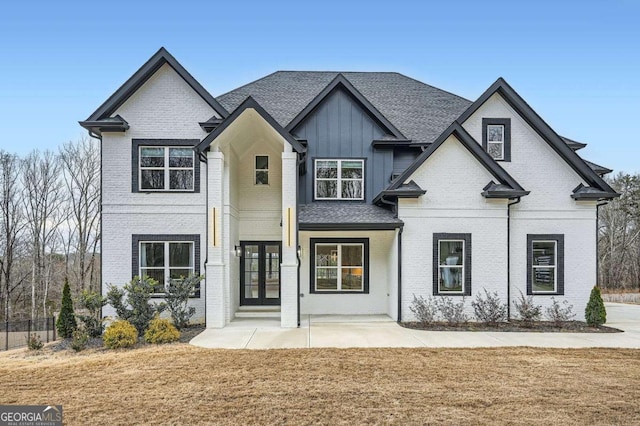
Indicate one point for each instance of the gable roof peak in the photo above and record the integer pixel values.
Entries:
(146, 71)
(341, 81)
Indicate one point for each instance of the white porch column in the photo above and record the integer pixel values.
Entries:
(289, 265)
(215, 267)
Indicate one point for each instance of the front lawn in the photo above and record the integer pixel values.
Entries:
(182, 384)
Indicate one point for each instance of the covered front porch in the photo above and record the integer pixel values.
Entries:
(251, 197)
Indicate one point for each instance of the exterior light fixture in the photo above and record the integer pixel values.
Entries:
(238, 250)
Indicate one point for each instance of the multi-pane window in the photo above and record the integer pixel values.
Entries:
(543, 266)
(262, 170)
(339, 266)
(166, 260)
(166, 168)
(339, 179)
(451, 266)
(496, 138)
(495, 141)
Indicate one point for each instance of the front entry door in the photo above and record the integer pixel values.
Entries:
(260, 273)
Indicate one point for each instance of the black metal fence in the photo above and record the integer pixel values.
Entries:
(15, 334)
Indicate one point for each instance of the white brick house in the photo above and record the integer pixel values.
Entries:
(340, 193)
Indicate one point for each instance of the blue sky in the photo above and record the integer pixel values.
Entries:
(576, 63)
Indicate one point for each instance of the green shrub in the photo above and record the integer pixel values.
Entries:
(93, 302)
(177, 299)
(34, 343)
(79, 339)
(161, 331)
(132, 302)
(595, 313)
(120, 334)
(66, 323)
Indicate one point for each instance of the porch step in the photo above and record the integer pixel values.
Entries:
(258, 312)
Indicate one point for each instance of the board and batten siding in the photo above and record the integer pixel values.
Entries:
(340, 128)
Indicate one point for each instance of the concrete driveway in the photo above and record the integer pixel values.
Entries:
(322, 331)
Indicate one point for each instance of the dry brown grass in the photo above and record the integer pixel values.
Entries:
(181, 384)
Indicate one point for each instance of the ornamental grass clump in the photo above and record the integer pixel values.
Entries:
(161, 331)
(120, 334)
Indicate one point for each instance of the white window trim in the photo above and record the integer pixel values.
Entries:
(554, 267)
(339, 179)
(256, 170)
(166, 268)
(167, 169)
(339, 267)
(462, 275)
(501, 143)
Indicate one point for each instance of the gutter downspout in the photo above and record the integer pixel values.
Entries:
(509, 257)
(298, 236)
(604, 203)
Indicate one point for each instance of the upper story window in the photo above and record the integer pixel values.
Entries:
(545, 260)
(166, 168)
(339, 179)
(496, 138)
(262, 170)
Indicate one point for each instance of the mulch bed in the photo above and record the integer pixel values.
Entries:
(536, 327)
(96, 343)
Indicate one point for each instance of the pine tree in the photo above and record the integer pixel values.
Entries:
(66, 323)
(595, 313)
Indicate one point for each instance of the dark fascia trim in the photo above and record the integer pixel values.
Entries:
(437, 236)
(135, 148)
(250, 103)
(312, 267)
(135, 252)
(559, 238)
(600, 170)
(161, 57)
(574, 145)
(340, 81)
(210, 124)
(582, 192)
(506, 123)
(328, 226)
(541, 127)
(474, 147)
(115, 124)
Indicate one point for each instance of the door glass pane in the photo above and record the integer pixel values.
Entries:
(251, 274)
(272, 271)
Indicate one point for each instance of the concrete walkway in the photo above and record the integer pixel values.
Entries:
(320, 331)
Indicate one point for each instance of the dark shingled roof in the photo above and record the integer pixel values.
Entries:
(421, 112)
(346, 215)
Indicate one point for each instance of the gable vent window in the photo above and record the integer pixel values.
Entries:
(339, 179)
(262, 170)
(496, 138)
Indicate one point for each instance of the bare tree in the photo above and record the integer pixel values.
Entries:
(619, 235)
(81, 173)
(11, 224)
(43, 197)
